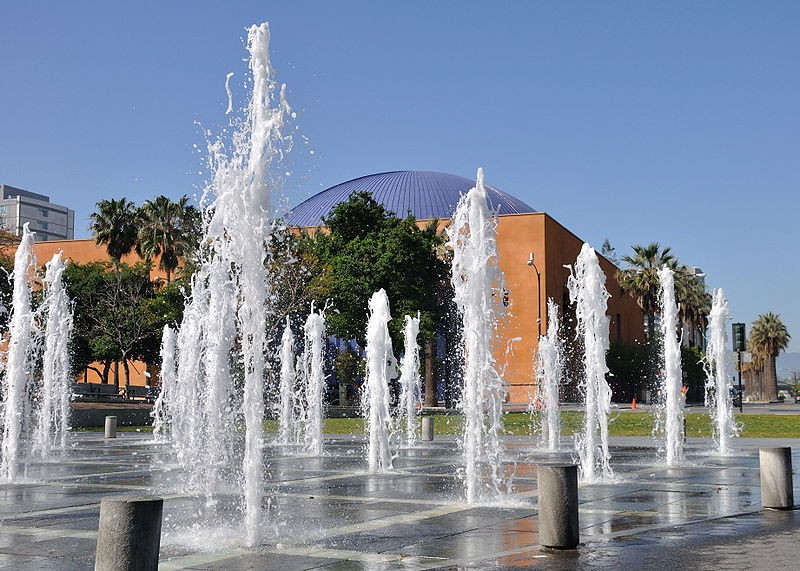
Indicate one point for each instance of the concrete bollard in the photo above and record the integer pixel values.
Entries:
(427, 428)
(558, 506)
(111, 427)
(129, 536)
(776, 478)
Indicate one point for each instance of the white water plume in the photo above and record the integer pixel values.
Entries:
(587, 291)
(550, 373)
(286, 418)
(162, 430)
(410, 382)
(381, 369)
(54, 392)
(672, 382)
(314, 377)
(232, 281)
(17, 401)
(478, 285)
(718, 380)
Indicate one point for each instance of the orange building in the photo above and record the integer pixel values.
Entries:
(521, 231)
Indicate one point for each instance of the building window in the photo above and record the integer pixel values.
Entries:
(45, 213)
(42, 225)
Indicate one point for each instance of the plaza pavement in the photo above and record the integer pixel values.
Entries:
(327, 513)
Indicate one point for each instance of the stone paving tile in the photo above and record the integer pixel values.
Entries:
(327, 513)
(25, 563)
(260, 561)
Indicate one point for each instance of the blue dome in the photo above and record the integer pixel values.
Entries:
(425, 194)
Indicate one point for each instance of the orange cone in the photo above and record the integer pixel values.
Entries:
(633, 404)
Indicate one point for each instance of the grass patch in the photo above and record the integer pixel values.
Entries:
(519, 424)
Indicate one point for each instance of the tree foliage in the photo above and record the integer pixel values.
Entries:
(118, 315)
(114, 225)
(640, 280)
(168, 231)
(768, 337)
(369, 248)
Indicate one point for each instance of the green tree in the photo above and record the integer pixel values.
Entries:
(640, 278)
(694, 303)
(768, 337)
(296, 276)
(118, 315)
(114, 225)
(167, 230)
(369, 248)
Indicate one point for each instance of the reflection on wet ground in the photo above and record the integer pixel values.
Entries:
(327, 513)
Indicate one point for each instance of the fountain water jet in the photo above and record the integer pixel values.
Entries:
(232, 281)
(478, 285)
(286, 417)
(17, 405)
(54, 393)
(718, 383)
(587, 290)
(550, 371)
(169, 384)
(314, 377)
(672, 381)
(381, 368)
(410, 380)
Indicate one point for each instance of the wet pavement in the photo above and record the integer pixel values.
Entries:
(327, 513)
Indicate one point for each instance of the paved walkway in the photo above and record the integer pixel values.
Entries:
(327, 513)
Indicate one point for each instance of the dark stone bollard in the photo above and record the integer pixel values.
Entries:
(111, 427)
(427, 428)
(129, 537)
(558, 506)
(776, 478)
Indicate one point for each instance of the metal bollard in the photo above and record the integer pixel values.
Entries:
(558, 506)
(427, 428)
(129, 536)
(111, 427)
(776, 478)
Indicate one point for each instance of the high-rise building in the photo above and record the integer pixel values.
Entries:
(48, 220)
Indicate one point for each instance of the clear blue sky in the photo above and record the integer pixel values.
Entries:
(674, 122)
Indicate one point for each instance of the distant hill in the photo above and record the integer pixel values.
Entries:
(786, 363)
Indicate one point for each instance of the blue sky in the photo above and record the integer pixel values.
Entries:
(674, 122)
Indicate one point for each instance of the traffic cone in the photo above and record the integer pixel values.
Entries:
(633, 404)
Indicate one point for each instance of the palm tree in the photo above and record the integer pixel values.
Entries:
(114, 224)
(640, 279)
(168, 230)
(693, 300)
(768, 337)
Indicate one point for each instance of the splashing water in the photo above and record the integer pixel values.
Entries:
(381, 368)
(17, 402)
(550, 371)
(232, 281)
(286, 417)
(672, 380)
(410, 382)
(314, 376)
(478, 285)
(169, 384)
(587, 290)
(54, 393)
(718, 383)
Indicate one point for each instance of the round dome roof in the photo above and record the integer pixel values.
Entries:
(425, 194)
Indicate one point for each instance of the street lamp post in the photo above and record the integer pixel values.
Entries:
(538, 294)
